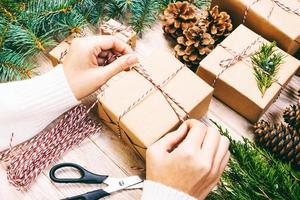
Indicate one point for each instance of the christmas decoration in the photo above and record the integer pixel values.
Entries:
(266, 62)
(229, 70)
(146, 87)
(178, 17)
(199, 40)
(254, 173)
(292, 116)
(280, 139)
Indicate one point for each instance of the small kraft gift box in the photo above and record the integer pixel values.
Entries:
(277, 20)
(152, 99)
(57, 55)
(229, 70)
(124, 33)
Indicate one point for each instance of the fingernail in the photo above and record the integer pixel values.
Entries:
(132, 60)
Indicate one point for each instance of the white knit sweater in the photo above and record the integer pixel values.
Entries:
(27, 107)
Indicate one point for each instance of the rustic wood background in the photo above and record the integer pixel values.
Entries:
(105, 153)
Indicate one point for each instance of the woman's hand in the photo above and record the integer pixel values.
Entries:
(90, 62)
(190, 159)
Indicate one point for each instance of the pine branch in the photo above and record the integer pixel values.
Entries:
(45, 15)
(253, 173)
(91, 10)
(266, 62)
(113, 9)
(26, 41)
(13, 66)
(143, 14)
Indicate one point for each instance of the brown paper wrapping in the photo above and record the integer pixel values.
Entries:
(126, 34)
(153, 117)
(237, 86)
(57, 55)
(282, 26)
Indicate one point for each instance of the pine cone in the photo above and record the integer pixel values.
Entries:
(292, 116)
(178, 17)
(218, 24)
(193, 46)
(282, 140)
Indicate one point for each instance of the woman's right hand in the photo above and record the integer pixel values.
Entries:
(190, 159)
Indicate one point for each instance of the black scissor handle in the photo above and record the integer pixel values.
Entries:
(85, 175)
(94, 195)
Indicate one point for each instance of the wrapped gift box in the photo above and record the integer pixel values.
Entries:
(237, 85)
(153, 115)
(57, 55)
(281, 25)
(124, 33)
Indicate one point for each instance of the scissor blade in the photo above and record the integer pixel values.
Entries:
(116, 184)
(136, 186)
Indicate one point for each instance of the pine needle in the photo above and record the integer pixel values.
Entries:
(253, 173)
(266, 62)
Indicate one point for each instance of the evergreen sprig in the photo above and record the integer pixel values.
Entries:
(253, 173)
(266, 62)
(143, 14)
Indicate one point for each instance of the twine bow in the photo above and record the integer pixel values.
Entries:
(237, 57)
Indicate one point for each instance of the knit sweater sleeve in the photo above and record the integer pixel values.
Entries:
(157, 191)
(27, 107)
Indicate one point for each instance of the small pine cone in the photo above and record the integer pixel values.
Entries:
(218, 24)
(282, 140)
(292, 116)
(177, 17)
(193, 46)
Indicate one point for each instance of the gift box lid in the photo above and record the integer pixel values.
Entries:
(240, 75)
(153, 117)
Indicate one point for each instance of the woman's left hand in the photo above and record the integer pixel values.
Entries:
(86, 66)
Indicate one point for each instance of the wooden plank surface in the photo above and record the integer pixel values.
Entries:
(105, 153)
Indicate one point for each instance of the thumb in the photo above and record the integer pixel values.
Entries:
(122, 63)
(171, 140)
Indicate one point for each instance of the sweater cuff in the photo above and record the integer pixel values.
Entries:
(153, 190)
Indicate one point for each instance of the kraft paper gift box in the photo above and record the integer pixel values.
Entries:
(57, 55)
(268, 19)
(152, 115)
(237, 86)
(124, 33)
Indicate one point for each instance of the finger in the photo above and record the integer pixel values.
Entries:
(171, 140)
(110, 42)
(121, 64)
(196, 134)
(221, 152)
(211, 143)
(204, 192)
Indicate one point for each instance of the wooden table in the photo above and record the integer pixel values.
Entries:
(105, 153)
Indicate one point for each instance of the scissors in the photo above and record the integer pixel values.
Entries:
(114, 184)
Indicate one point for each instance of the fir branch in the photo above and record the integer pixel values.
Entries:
(44, 15)
(113, 9)
(13, 66)
(143, 14)
(26, 41)
(91, 10)
(253, 173)
(266, 62)
(73, 22)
